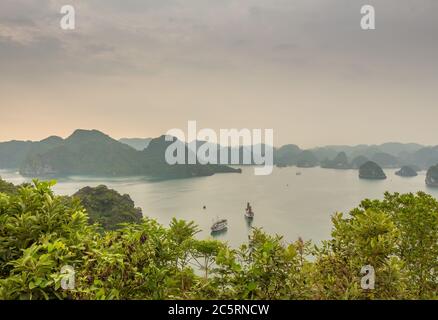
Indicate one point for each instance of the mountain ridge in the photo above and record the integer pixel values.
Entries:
(92, 152)
(15, 153)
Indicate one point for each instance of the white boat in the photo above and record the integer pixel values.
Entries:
(219, 225)
(248, 212)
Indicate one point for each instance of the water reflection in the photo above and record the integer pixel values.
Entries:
(286, 204)
(249, 222)
(219, 234)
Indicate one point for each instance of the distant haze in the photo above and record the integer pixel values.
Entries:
(138, 68)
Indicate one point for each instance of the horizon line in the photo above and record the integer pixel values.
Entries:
(275, 146)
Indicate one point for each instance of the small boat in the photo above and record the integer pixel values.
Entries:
(298, 173)
(219, 225)
(248, 211)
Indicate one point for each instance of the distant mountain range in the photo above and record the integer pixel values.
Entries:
(387, 155)
(91, 152)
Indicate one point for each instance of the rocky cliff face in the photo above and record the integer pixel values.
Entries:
(371, 170)
(37, 166)
(432, 177)
(406, 171)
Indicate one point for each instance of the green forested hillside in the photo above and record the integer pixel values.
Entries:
(93, 153)
(38, 159)
(40, 233)
(84, 153)
(107, 207)
(7, 187)
(13, 153)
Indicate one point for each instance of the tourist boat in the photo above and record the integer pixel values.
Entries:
(248, 211)
(219, 225)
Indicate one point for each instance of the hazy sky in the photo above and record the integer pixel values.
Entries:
(136, 68)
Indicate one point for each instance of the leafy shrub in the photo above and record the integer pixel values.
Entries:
(40, 233)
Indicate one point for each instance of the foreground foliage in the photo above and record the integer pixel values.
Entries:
(40, 233)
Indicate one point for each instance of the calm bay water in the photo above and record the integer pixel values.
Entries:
(284, 203)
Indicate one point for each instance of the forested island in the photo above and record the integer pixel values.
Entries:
(432, 177)
(93, 153)
(41, 233)
(340, 162)
(406, 171)
(387, 155)
(371, 170)
(107, 207)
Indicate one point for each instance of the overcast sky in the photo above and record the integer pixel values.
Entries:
(137, 68)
